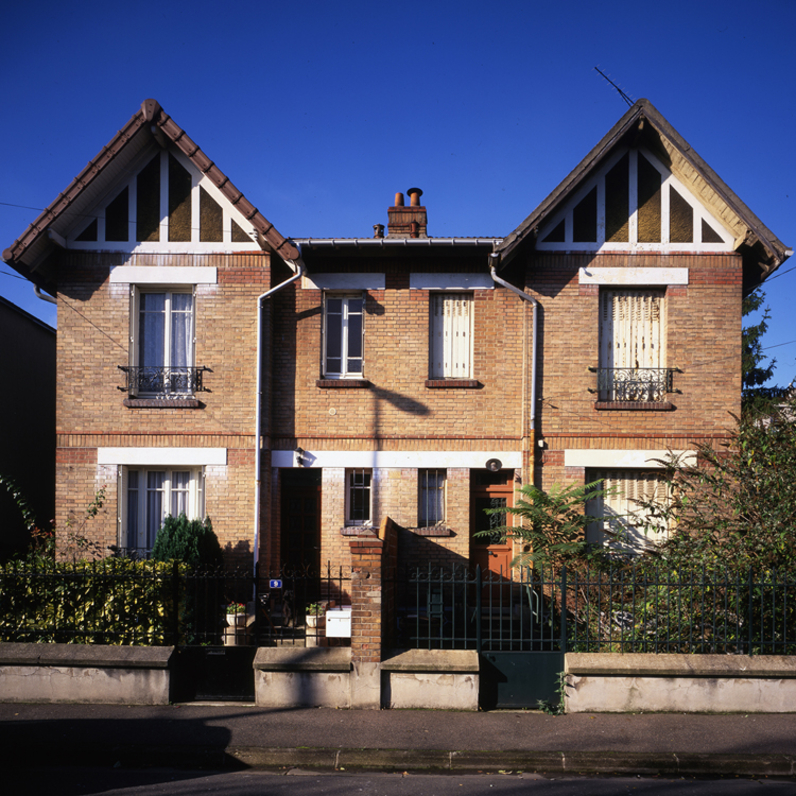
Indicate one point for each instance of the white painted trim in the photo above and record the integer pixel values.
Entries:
(628, 459)
(451, 282)
(473, 460)
(164, 275)
(171, 457)
(633, 276)
(343, 282)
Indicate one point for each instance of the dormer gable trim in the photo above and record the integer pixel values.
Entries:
(30, 252)
(643, 125)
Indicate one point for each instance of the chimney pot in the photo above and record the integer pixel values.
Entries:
(414, 196)
(378, 230)
(399, 199)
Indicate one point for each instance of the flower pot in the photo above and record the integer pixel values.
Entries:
(236, 620)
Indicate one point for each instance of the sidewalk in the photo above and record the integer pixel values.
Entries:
(230, 736)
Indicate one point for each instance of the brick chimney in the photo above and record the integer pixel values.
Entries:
(407, 222)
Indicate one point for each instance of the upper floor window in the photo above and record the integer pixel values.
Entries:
(633, 346)
(451, 335)
(431, 498)
(162, 345)
(149, 495)
(343, 336)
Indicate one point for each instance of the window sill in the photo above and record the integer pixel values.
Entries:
(432, 530)
(355, 383)
(359, 530)
(448, 384)
(163, 403)
(636, 406)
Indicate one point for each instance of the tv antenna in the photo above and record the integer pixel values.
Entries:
(621, 93)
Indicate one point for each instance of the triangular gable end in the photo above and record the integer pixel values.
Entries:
(633, 203)
(166, 205)
(177, 199)
(577, 216)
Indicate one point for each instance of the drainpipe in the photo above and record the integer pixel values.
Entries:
(39, 294)
(300, 268)
(494, 261)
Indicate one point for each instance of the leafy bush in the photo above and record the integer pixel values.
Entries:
(114, 601)
(192, 542)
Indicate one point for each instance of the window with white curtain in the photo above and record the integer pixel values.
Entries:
(626, 524)
(163, 336)
(148, 495)
(632, 345)
(431, 498)
(451, 335)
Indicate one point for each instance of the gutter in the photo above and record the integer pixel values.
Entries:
(494, 261)
(298, 264)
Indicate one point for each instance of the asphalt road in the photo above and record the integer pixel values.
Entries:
(76, 781)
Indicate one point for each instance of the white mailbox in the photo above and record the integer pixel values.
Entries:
(338, 622)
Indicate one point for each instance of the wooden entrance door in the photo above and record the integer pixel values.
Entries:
(490, 491)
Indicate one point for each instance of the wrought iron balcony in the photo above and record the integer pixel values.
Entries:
(636, 385)
(162, 382)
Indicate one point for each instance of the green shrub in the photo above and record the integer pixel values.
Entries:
(192, 542)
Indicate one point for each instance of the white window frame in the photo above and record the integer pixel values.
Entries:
(347, 337)
(136, 292)
(626, 487)
(431, 483)
(451, 335)
(134, 489)
(351, 489)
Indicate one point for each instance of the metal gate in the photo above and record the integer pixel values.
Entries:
(516, 620)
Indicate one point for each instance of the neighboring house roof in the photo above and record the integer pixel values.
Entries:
(30, 252)
(762, 251)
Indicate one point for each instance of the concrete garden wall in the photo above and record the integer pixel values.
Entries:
(85, 673)
(630, 683)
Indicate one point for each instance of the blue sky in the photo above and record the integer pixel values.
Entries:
(321, 112)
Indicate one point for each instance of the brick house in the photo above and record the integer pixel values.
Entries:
(401, 376)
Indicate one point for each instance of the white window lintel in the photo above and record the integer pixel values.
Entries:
(166, 457)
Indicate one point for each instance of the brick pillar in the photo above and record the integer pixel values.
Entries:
(366, 621)
(373, 560)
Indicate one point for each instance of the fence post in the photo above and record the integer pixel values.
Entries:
(564, 609)
(175, 598)
(478, 589)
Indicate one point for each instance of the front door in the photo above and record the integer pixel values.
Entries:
(490, 491)
(301, 521)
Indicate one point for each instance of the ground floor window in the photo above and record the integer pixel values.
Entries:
(626, 524)
(359, 494)
(431, 498)
(149, 494)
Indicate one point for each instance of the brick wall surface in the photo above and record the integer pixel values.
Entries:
(703, 335)
(93, 340)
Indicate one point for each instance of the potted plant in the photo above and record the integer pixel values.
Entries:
(236, 614)
(313, 611)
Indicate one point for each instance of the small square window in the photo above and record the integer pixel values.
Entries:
(431, 498)
(359, 495)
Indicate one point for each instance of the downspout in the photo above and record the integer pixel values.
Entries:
(300, 267)
(39, 294)
(494, 261)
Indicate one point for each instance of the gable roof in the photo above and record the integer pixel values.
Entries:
(762, 251)
(30, 252)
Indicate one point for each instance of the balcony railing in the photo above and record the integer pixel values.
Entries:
(637, 385)
(162, 382)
